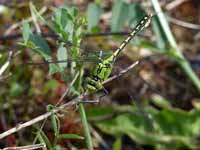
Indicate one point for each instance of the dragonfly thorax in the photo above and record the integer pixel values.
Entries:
(100, 73)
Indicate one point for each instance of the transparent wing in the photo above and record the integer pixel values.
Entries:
(94, 56)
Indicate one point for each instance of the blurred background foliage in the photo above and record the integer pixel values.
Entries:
(154, 106)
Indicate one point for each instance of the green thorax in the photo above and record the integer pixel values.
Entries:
(100, 73)
(103, 70)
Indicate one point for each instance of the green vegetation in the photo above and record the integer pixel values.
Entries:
(65, 53)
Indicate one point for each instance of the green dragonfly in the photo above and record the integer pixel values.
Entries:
(104, 67)
(102, 70)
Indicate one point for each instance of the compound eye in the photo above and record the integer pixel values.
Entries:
(108, 65)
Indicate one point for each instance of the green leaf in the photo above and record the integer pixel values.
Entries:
(73, 11)
(50, 85)
(119, 15)
(26, 31)
(93, 15)
(53, 68)
(135, 13)
(16, 89)
(56, 124)
(38, 44)
(59, 19)
(99, 111)
(171, 126)
(160, 101)
(69, 28)
(54, 120)
(63, 22)
(95, 29)
(43, 138)
(148, 45)
(41, 46)
(62, 55)
(70, 136)
(118, 144)
(58, 147)
(153, 47)
(161, 39)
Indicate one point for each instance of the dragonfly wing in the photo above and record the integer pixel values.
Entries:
(90, 57)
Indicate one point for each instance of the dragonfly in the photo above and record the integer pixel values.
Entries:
(102, 70)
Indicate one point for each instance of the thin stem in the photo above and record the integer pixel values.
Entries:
(28, 147)
(178, 56)
(183, 23)
(85, 126)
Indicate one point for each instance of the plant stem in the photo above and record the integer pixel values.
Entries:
(177, 54)
(86, 127)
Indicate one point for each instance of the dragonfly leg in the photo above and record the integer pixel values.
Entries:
(105, 92)
(90, 101)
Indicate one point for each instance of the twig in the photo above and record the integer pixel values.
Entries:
(197, 36)
(183, 23)
(29, 147)
(6, 64)
(174, 4)
(99, 138)
(73, 102)
(17, 25)
(33, 15)
(2, 78)
(67, 89)
(40, 118)
(39, 131)
(121, 73)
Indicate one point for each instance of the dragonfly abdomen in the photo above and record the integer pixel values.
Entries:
(145, 21)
